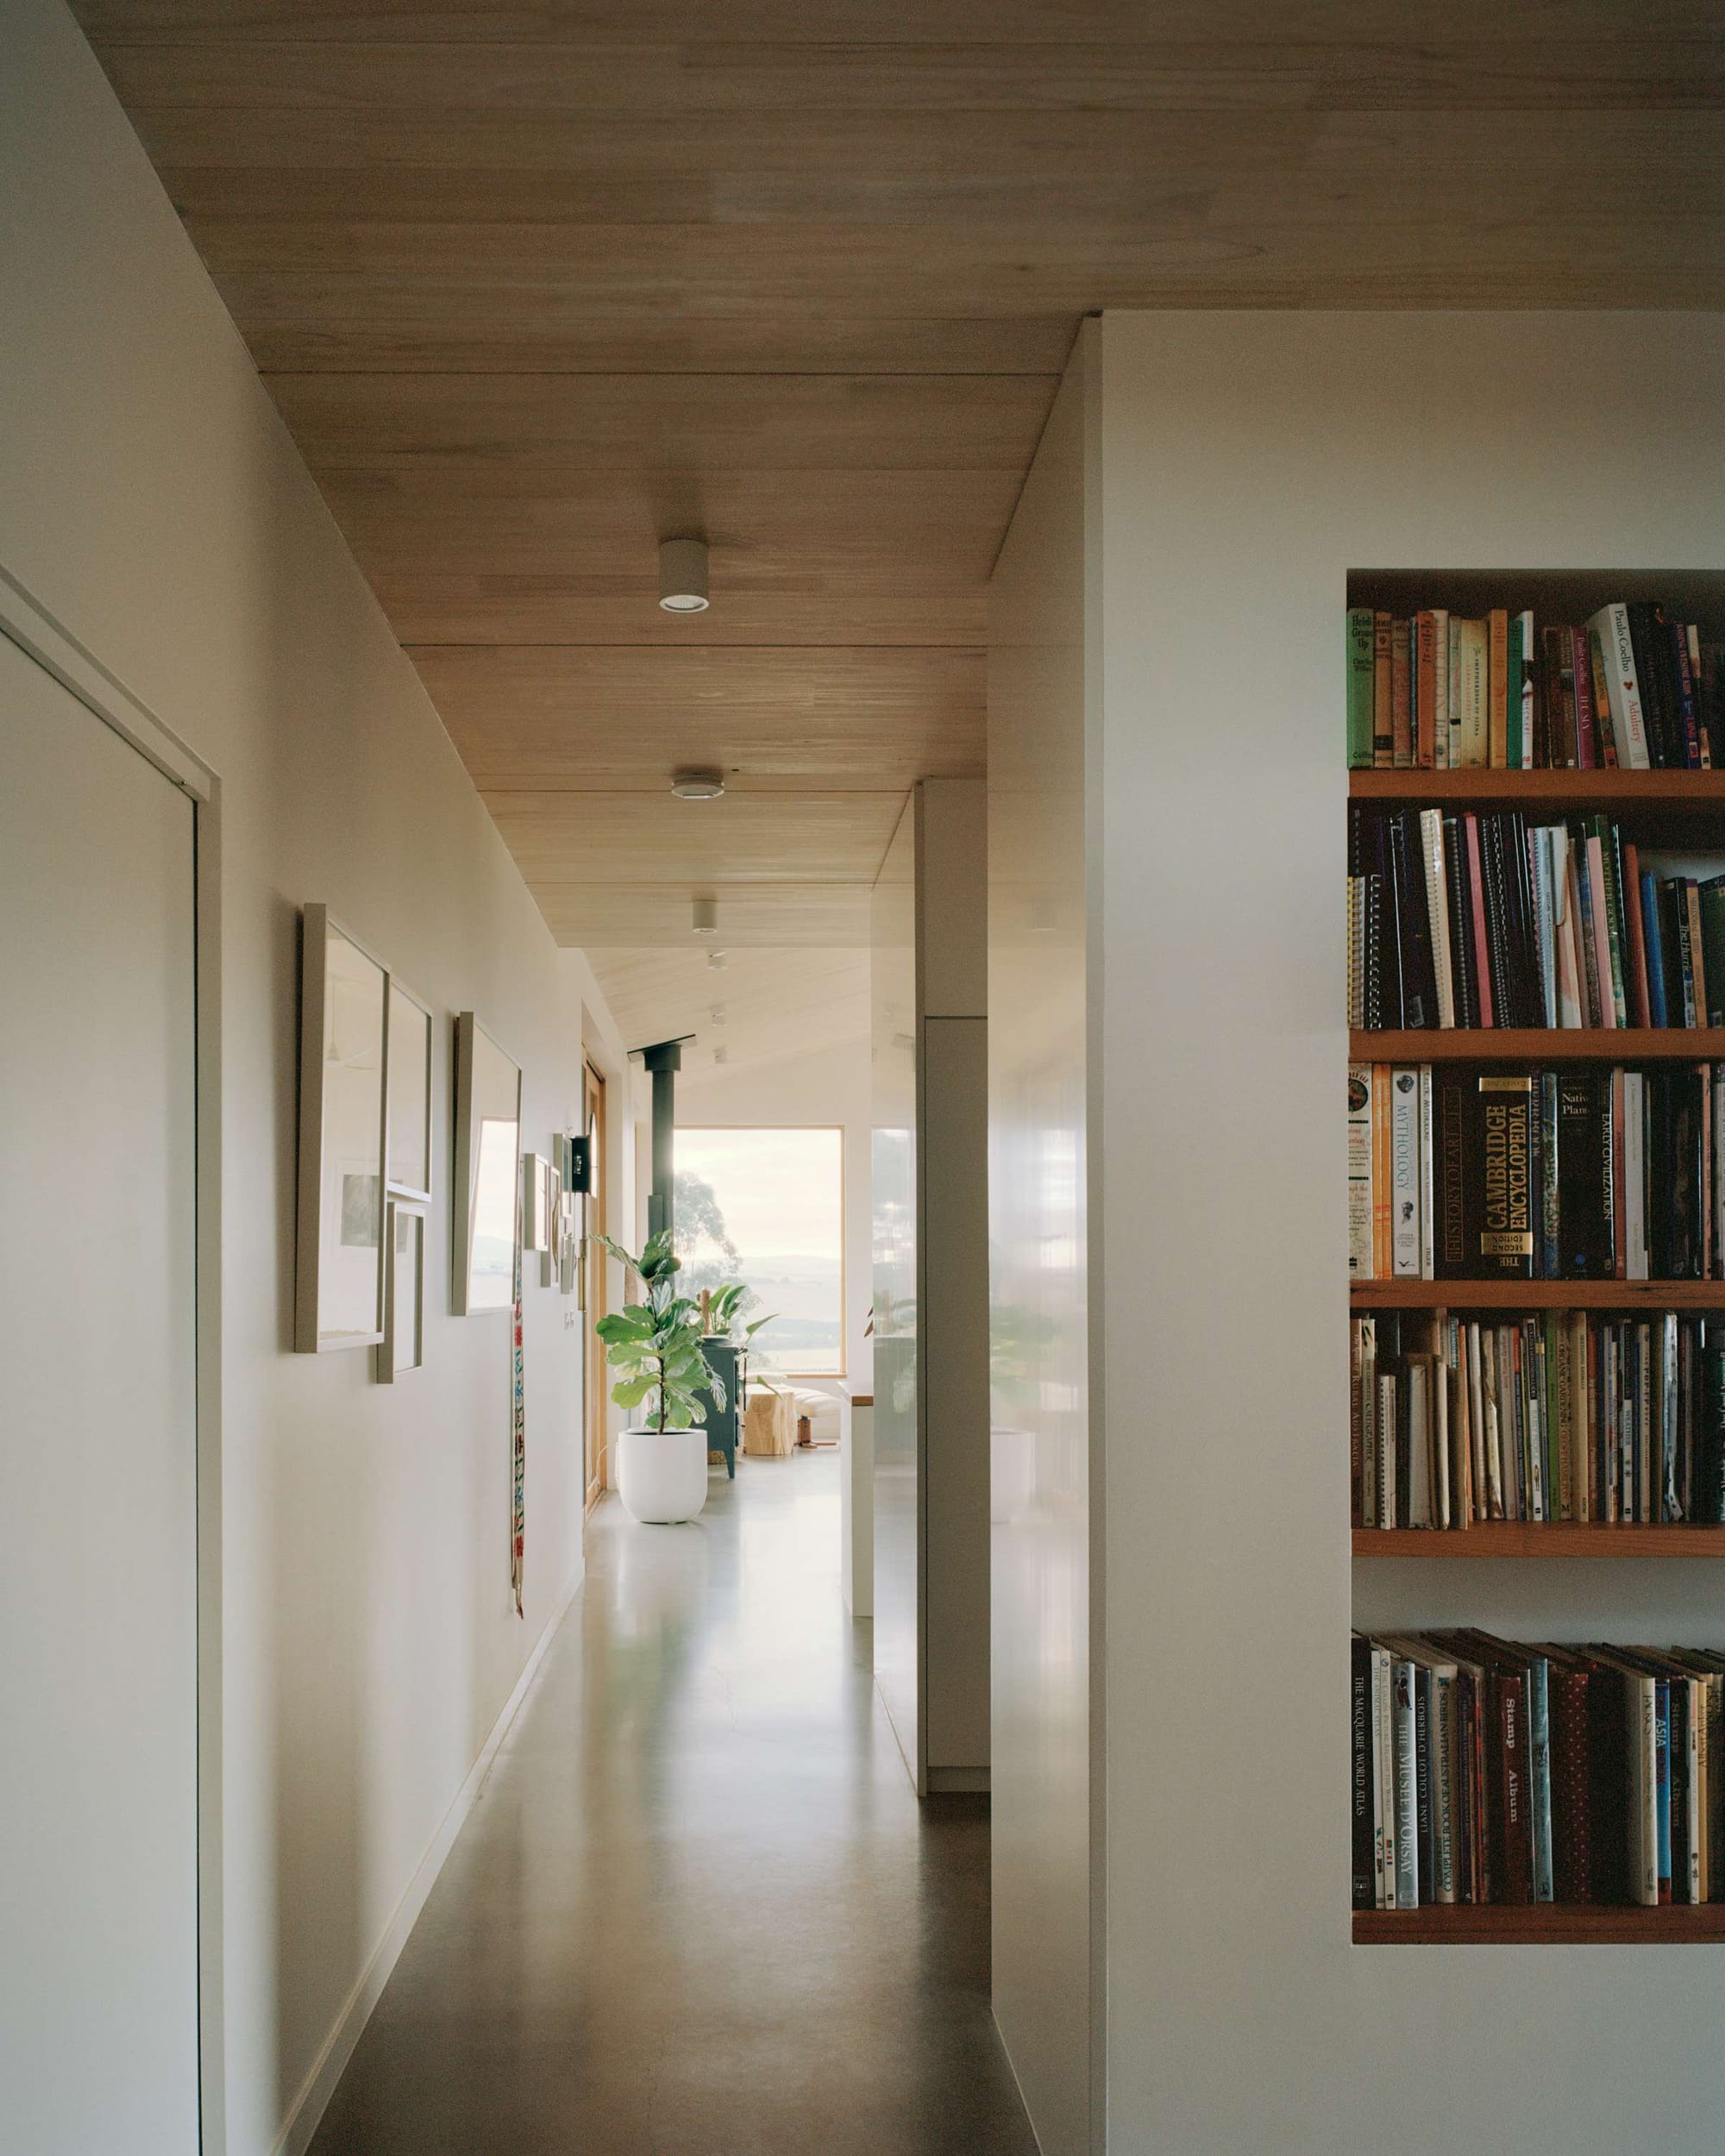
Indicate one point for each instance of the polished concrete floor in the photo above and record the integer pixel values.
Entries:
(697, 1911)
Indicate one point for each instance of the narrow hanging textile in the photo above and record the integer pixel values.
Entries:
(517, 1525)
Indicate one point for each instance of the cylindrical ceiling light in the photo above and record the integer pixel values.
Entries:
(682, 576)
(698, 783)
(705, 917)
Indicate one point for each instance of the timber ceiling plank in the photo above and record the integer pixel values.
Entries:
(757, 1007)
(630, 423)
(543, 281)
(597, 915)
(564, 717)
(915, 24)
(1364, 73)
(629, 838)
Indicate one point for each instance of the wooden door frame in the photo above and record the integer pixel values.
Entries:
(595, 1427)
(27, 622)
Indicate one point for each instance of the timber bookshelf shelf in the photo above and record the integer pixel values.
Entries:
(1541, 1924)
(1540, 1538)
(1538, 1294)
(1593, 1045)
(1558, 790)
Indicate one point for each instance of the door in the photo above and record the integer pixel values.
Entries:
(98, 1548)
(593, 1260)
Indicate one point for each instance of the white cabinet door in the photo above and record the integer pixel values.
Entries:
(98, 1877)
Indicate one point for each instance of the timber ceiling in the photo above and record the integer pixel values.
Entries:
(537, 285)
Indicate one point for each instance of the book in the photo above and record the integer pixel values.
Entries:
(1497, 1184)
(1587, 1171)
(1383, 719)
(1487, 1771)
(1479, 919)
(1622, 686)
(1405, 1171)
(1364, 1886)
(1631, 686)
(1361, 688)
(1361, 1210)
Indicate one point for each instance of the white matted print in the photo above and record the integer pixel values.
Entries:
(403, 1345)
(338, 1273)
(485, 1212)
(410, 1092)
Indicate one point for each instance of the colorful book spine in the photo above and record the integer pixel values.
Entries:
(1361, 675)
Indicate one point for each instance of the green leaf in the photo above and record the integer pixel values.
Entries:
(633, 1392)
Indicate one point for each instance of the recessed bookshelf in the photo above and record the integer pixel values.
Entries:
(1519, 885)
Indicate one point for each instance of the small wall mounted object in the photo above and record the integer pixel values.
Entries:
(338, 1268)
(486, 1196)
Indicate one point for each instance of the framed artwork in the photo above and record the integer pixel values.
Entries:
(553, 1199)
(403, 1344)
(487, 1193)
(536, 1220)
(338, 1266)
(408, 1061)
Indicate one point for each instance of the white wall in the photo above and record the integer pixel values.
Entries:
(1041, 1151)
(153, 503)
(1243, 465)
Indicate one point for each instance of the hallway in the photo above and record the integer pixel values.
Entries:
(696, 1912)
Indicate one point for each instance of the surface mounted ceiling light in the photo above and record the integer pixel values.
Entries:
(682, 575)
(716, 959)
(701, 784)
(717, 1014)
(705, 917)
(721, 1056)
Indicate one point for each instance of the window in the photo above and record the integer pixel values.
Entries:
(766, 1207)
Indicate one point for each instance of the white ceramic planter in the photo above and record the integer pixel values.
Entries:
(662, 1475)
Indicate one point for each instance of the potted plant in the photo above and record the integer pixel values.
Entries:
(655, 1347)
(725, 1342)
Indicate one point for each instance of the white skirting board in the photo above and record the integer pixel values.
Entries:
(305, 2113)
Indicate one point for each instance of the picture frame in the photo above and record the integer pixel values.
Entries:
(486, 1192)
(407, 1057)
(339, 1252)
(536, 1220)
(403, 1345)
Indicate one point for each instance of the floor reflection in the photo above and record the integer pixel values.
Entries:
(697, 1911)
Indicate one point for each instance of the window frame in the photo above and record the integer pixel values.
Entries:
(840, 1375)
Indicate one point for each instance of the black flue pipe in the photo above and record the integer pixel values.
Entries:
(663, 1060)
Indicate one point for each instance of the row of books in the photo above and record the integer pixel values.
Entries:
(1563, 1415)
(1595, 1172)
(1632, 686)
(1485, 1771)
(1483, 920)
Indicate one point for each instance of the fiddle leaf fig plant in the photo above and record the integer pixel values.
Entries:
(724, 1306)
(655, 1345)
